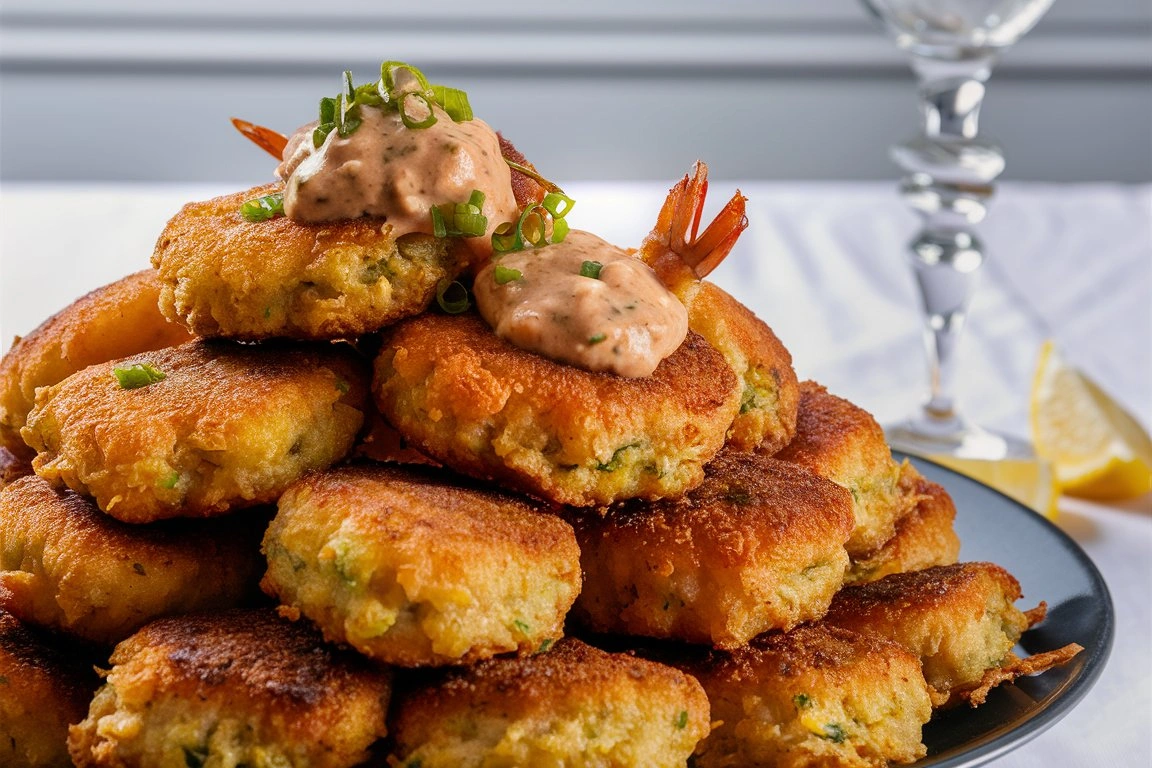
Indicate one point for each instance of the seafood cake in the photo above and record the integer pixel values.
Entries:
(959, 619)
(415, 567)
(64, 564)
(45, 685)
(111, 322)
(225, 276)
(924, 536)
(758, 546)
(815, 696)
(480, 405)
(213, 426)
(574, 705)
(843, 443)
(233, 688)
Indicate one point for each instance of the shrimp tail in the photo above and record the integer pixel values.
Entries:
(675, 248)
(267, 139)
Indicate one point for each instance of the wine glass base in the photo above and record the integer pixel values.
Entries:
(928, 437)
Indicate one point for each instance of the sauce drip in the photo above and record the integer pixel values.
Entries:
(623, 322)
(388, 170)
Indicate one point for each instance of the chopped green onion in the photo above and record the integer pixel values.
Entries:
(591, 269)
(413, 120)
(453, 101)
(559, 230)
(801, 701)
(597, 338)
(138, 375)
(320, 133)
(171, 481)
(681, 720)
(327, 110)
(263, 208)
(504, 274)
(460, 219)
(558, 204)
(505, 239)
(388, 72)
(835, 733)
(522, 626)
(453, 297)
(349, 88)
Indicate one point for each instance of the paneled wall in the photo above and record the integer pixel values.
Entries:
(118, 90)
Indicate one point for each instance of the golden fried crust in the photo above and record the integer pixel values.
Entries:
(225, 276)
(574, 705)
(924, 537)
(242, 684)
(66, 565)
(843, 443)
(759, 545)
(486, 408)
(413, 567)
(230, 426)
(13, 467)
(817, 695)
(770, 394)
(44, 685)
(114, 321)
(959, 619)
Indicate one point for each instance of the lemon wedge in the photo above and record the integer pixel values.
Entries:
(1098, 450)
(1029, 481)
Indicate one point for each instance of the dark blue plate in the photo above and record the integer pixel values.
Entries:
(1051, 567)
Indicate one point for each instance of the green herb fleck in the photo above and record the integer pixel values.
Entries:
(522, 626)
(545, 645)
(681, 720)
(591, 269)
(137, 375)
(171, 481)
(834, 733)
(263, 208)
(504, 274)
(139, 569)
(596, 339)
(801, 701)
(342, 386)
(614, 463)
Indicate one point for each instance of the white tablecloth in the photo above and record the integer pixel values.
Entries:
(822, 264)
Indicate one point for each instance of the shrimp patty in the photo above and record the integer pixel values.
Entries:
(770, 395)
(843, 443)
(758, 546)
(572, 706)
(816, 696)
(45, 685)
(227, 426)
(959, 619)
(111, 322)
(230, 689)
(486, 408)
(226, 276)
(924, 537)
(412, 567)
(64, 564)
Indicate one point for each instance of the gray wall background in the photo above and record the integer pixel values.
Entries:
(123, 90)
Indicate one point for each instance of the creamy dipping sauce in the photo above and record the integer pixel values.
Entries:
(388, 170)
(624, 322)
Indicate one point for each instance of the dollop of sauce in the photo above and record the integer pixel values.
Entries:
(389, 170)
(624, 321)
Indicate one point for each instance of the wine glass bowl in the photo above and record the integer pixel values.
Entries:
(949, 168)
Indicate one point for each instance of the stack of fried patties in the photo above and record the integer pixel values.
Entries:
(317, 523)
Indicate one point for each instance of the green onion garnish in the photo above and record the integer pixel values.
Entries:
(504, 274)
(263, 208)
(834, 733)
(532, 226)
(138, 375)
(558, 204)
(681, 720)
(412, 106)
(597, 338)
(388, 72)
(454, 101)
(591, 269)
(453, 297)
(460, 219)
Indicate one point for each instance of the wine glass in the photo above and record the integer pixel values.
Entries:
(949, 169)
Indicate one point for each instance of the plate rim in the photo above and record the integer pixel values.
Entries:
(1053, 710)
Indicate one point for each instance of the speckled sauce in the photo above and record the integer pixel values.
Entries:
(623, 322)
(398, 173)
